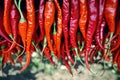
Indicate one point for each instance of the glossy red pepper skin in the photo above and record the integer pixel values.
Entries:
(102, 28)
(41, 20)
(6, 20)
(64, 60)
(110, 14)
(83, 17)
(48, 21)
(59, 28)
(115, 56)
(66, 17)
(2, 31)
(30, 30)
(100, 19)
(14, 19)
(74, 20)
(92, 23)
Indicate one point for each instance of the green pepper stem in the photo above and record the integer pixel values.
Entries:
(22, 19)
(54, 28)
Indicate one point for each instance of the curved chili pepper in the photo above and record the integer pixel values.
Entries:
(48, 21)
(59, 27)
(14, 19)
(66, 16)
(83, 17)
(7, 57)
(41, 20)
(31, 26)
(6, 20)
(92, 23)
(100, 19)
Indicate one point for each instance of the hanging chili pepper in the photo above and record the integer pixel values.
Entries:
(59, 27)
(118, 62)
(31, 26)
(22, 25)
(14, 19)
(92, 23)
(115, 56)
(48, 21)
(64, 60)
(2, 31)
(47, 54)
(65, 21)
(117, 34)
(41, 20)
(118, 28)
(74, 20)
(6, 20)
(83, 17)
(110, 15)
(100, 19)
(54, 38)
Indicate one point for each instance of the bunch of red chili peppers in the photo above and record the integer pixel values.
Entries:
(67, 30)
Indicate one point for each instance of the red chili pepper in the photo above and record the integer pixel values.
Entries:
(2, 31)
(14, 19)
(47, 54)
(41, 20)
(66, 17)
(118, 28)
(100, 19)
(83, 17)
(7, 57)
(54, 38)
(115, 56)
(118, 62)
(48, 21)
(30, 30)
(22, 25)
(110, 15)
(74, 20)
(117, 34)
(64, 60)
(6, 20)
(92, 23)
(59, 27)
